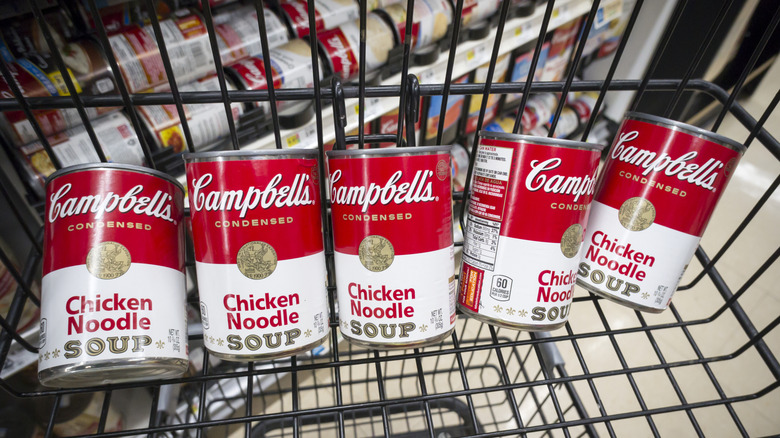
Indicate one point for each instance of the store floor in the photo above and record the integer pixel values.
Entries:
(649, 389)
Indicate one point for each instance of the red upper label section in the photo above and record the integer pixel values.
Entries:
(548, 190)
(682, 175)
(298, 11)
(345, 64)
(406, 199)
(234, 202)
(140, 211)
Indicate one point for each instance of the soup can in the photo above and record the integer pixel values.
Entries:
(661, 182)
(291, 68)
(23, 37)
(328, 14)
(529, 205)
(113, 289)
(430, 22)
(392, 227)
(208, 122)
(239, 33)
(114, 133)
(38, 76)
(187, 43)
(259, 253)
(341, 46)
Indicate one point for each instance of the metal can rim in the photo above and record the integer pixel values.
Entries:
(114, 166)
(197, 157)
(414, 150)
(688, 129)
(543, 141)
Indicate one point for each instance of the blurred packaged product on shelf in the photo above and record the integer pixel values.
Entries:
(39, 76)
(329, 14)
(186, 41)
(23, 38)
(340, 46)
(431, 20)
(474, 102)
(207, 122)
(239, 33)
(115, 135)
(116, 16)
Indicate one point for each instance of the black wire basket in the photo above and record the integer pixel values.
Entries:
(481, 381)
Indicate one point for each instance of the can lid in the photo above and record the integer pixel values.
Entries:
(114, 166)
(360, 153)
(524, 8)
(381, 13)
(688, 129)
(479, 30)
(196, 157)
(544, 141)
(426, 55)
(297, 115)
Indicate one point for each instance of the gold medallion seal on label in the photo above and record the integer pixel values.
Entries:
(376, 253)
(571, 241)
(108, 260)
(442, 169)
(636, 214)
(256, 260)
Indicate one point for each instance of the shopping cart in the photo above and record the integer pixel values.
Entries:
(610, 371)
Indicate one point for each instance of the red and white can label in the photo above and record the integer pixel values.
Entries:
(328, 14)
(239, 33)
(113, 275)
(257, 228)
(114, 133)
(392, 226)
(189, 51)
(527, 213)
(291, 68)
(656, 195)
(207, 122)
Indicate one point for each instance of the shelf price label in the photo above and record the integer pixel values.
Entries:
(304, 138)
(293, 140)
(426, 76)
(476, 56)
(372, 108)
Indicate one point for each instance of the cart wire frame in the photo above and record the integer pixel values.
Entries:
(522, 367)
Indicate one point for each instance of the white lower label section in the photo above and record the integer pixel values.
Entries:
(411, 301)
(284, 311)
(139, 314)
(531, 283)
(641, 267)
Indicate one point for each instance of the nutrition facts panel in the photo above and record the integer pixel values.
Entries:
(482, 244)
(486, 208)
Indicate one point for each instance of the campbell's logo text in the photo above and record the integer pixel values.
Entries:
(701, 175)
(540, 178)
(160, 205)
(420, 189)
(341, 51)
(274, 194)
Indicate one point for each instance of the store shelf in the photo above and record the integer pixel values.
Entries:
(468, 56)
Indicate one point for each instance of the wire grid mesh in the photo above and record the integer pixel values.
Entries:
(482, 381)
